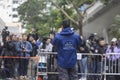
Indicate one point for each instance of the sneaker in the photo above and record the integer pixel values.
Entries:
(16, 78)
(21, 77)
(26, 78)
(83, 79)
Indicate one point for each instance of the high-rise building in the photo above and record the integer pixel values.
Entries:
(9, 14)
(8, 10)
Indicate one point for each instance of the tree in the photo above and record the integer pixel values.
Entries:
(36, 13)
(73, 5)
(32, 10)
(56, 17)
(115, 27)
(33, 14)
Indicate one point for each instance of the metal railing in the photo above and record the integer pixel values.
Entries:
(46, 65)
(109, 66)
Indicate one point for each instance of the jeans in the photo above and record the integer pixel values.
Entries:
(83, 67)
(67, 73)
(16, 69)
(23, 65)
(98, 68)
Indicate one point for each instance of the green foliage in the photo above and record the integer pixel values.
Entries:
(35, 13)
(56, 17)
(106, 1)
(31, 9)
(32, 13)
(115, 27)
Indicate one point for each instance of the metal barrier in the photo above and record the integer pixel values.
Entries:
(14, 63)
(98, 65)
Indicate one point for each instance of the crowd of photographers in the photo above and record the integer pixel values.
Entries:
(96, 64)
(17, 46)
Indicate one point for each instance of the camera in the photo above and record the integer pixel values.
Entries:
(5, 33)
(93, 37)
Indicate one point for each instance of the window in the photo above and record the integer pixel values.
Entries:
(9, 15)
(14, 9)
(15, 15)
(15, 2)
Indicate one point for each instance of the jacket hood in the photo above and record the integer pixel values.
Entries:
(67, 31)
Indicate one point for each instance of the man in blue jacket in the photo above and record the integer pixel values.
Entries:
(67, 42)
(24, 48)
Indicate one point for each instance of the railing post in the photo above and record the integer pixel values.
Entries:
(105, 67)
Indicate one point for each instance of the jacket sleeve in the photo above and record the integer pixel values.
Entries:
(18, 49)
(110, 57)
(35, 45)
(30, 48)
(50, 48)
(40, 46)
(107, 52)
(55, 41)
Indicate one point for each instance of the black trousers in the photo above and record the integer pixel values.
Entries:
(23, 67)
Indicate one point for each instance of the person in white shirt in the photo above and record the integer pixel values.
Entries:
(46, 46)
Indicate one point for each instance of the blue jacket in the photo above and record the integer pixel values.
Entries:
(67, 43)
(19, 48)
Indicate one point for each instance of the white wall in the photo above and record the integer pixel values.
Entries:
(102, 22)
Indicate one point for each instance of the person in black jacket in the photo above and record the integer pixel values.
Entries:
(100, 49)
(8, 62)
(34, 34)
(15, 40)
(1, 48)
(84, 61)
(34, 45)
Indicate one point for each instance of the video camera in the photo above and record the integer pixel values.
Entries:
(93, 37)
(5, 33)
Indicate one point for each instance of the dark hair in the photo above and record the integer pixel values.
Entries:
(24, 35)
(66, 23)
(53, 33)
(44, 42)
(101, 39)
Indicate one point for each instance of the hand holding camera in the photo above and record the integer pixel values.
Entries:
(24, 50)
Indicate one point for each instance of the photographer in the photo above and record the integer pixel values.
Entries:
(34, 34)
(82, 64)
(1, 47)
(8, 62)
(5, 33)
(92, 43)
(24, 48)
(113, 59)
(34, 45)
(99, 63)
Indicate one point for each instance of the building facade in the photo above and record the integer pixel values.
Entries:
(9, 14)
(9, 11)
